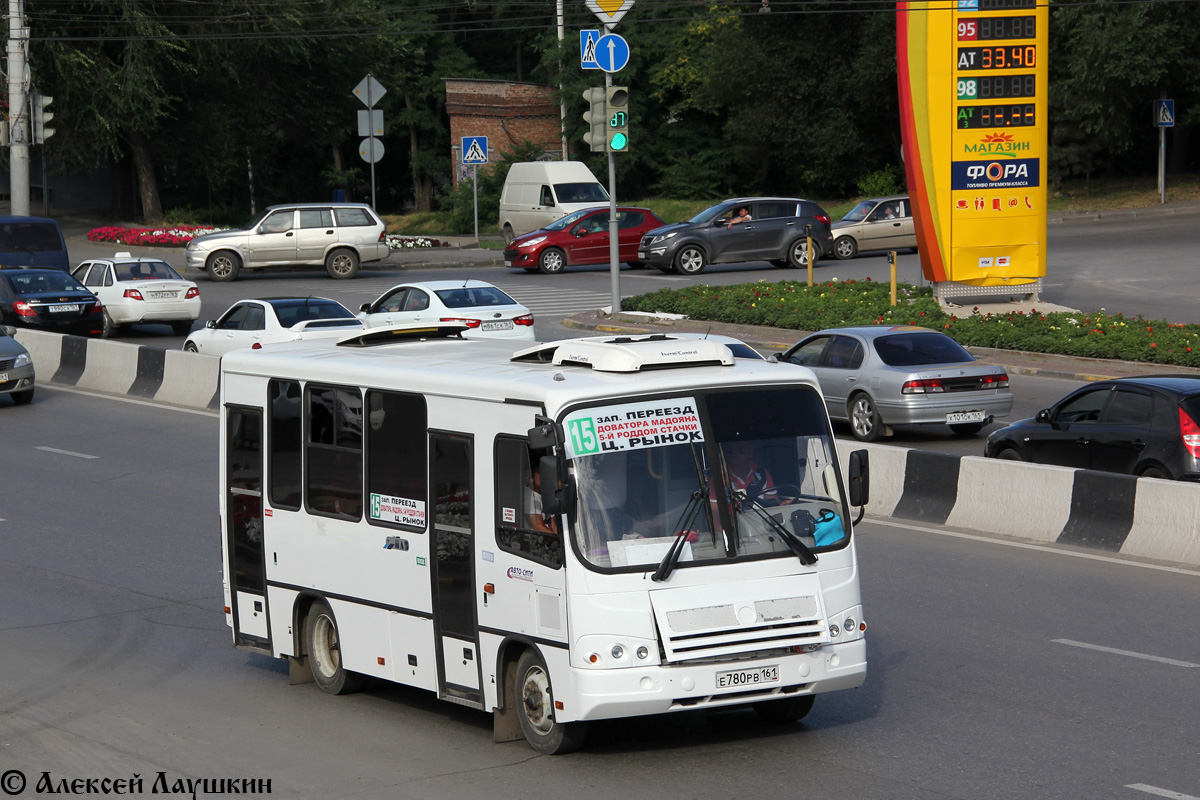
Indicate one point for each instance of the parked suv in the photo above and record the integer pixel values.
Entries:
(339, 236)
(774, 231)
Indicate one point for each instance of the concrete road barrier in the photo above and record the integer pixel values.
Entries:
(1141, 517)
(153, 373)
(1123, 514)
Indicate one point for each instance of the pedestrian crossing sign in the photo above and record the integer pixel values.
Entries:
(1164, 113)
(474, 150)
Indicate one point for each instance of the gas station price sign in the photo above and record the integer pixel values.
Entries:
(973, 87)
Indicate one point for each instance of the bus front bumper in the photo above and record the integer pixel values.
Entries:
(632, 691)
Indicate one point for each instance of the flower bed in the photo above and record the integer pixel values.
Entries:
(173, 236)
(398, 242)
(797, 306)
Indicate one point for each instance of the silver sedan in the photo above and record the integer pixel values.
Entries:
(875, 377)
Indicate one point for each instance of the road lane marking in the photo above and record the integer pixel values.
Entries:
(65, 452)
(1148, 789)
(1038, 547)
(1129, 653)
(120, 399)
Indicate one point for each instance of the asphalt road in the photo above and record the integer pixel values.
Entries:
(996, 670)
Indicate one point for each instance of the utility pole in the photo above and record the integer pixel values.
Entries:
(563, 102)
(18, 110)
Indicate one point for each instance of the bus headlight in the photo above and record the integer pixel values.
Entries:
(612, 652)
(848, 625)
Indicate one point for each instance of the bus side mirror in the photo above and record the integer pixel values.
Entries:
(544, 435)
(860, 478)
(558, 497)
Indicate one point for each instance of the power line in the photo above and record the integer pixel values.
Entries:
(544, 20)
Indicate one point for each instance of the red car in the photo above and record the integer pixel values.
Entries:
(581, 238)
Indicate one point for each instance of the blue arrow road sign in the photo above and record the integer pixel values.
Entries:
(474, 150)
(612, 52)
(1164, 113)
(587, 48)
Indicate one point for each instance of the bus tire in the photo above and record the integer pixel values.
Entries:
(535, 709)
(324, 652)
(790, 709)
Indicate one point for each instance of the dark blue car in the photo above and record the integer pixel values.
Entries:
(32, 242)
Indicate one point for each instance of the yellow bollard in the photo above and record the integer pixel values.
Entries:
(810, 260)
(892, 264)
(808, 244)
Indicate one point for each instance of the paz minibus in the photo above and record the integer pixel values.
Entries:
(578, 530)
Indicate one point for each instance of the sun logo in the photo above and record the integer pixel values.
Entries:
(997, 138)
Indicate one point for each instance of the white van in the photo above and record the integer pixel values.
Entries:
(538, 192)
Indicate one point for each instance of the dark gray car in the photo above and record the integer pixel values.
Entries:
(16, 367)
(773, 229)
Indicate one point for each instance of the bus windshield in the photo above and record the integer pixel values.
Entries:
(734, 474)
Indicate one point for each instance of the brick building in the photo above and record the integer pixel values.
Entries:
(507, 112)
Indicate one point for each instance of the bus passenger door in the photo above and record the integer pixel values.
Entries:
(244, 526)
(452, 549)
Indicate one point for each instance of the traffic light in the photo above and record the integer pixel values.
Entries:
(596, 119)
(40, 117)
(616, 102)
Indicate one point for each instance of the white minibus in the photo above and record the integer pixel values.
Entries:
(578, 530)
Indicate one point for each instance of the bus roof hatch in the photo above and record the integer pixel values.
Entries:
(629, 353)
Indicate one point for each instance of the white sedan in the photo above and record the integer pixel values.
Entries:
(140, 290)
(254, 323)
(485, 310)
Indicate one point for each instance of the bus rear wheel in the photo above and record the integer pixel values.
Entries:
(788, 710)
(325, 653)
(535, 710)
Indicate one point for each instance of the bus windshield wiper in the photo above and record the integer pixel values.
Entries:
(806, 556)
(683, 527)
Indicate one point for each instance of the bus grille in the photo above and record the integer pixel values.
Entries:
(715, 632)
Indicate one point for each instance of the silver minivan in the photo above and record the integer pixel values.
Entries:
(338, 236)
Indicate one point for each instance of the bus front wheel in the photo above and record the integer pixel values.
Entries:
(535, 710)
(325, 653)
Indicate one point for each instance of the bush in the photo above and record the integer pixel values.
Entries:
(880, 183)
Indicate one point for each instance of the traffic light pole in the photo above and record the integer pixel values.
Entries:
(18, 154)
(614, 266)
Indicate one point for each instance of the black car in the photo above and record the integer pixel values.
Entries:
(774, 229)
(48, 300)
(1146, 426)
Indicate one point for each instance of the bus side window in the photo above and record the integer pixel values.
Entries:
(397, 431)
(285, 440)
(334, 463)
(520, 527)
